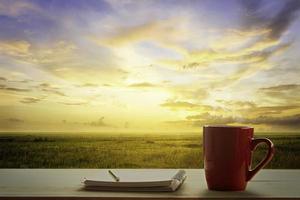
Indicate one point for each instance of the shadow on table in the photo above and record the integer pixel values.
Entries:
(230, 194)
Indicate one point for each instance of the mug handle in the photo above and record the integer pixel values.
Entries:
(266, 160)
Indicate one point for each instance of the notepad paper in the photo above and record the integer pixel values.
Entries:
(139, 182)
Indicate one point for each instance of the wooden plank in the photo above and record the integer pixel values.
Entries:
(65, 184)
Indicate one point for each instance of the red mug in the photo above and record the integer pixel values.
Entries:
(227, 154)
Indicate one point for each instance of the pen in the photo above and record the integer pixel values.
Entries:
(114, 176)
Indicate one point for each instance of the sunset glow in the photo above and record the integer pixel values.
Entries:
(155, 66)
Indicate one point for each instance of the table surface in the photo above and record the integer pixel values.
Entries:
(66, 184)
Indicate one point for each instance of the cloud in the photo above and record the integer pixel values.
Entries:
(249, 49)
(206, 54)
(236, 39)
(281, 88)
(99, 123)
(16, 8)
(29, 100)
(23, 81)
(188, 92)
(284, 18)
(251, 109)
(251, 13)
(3, 79)
(288, 121)
(248, 59)
(257, 50)
(286, 92)
(54, 92)
(48, 57)
(238, 104)
(203, 119)
(73, 103)
(14, 89)
(179, 104)
(277, 24)
(165, 33)
(291, 121)
(88, 85)
(106, 85)
(250, 64)
(207, 57)
(63, 51)
(269, 110)
(175, 105)
(15, 48)
(46, 87)
(67, 60)
(12, 123)
(15, 120)
(208, 119)
(142, 85)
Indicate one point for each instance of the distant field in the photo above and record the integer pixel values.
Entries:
(94, 151)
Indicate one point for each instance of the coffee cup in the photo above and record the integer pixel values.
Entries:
(227, 154)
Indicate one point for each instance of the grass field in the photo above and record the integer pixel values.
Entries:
(104, 151)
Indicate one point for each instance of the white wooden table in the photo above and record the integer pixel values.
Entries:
(65, 184)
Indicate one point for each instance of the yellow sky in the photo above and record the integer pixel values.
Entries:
(125, 71)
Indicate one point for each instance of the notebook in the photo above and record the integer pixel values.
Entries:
(138, 182)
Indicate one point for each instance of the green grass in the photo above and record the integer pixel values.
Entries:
(96, 151)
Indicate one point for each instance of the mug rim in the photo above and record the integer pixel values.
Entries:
(227, 126)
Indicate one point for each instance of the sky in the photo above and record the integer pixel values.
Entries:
(149, 65)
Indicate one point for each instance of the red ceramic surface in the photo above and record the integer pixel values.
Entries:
(227, 156)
